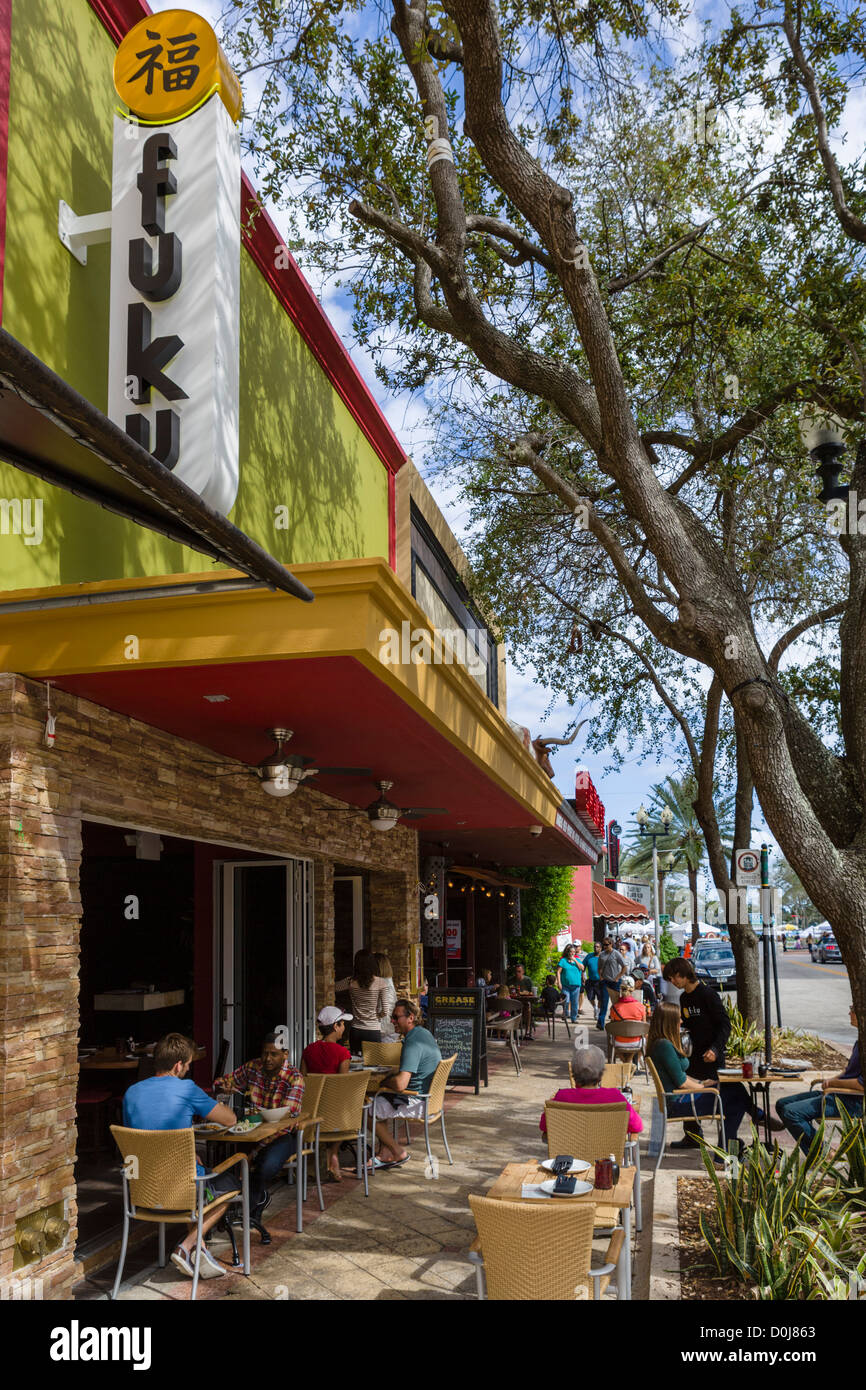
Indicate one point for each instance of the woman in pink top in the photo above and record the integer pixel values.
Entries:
(588, 1066)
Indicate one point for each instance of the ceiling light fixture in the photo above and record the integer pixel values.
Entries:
(216, 699)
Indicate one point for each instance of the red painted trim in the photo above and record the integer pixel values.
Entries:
(5, 75)
(118, 16)
(392, 521)
(262, 240)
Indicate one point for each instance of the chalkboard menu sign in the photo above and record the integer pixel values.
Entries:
(457, 1020)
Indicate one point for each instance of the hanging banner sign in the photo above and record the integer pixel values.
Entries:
(174, 330)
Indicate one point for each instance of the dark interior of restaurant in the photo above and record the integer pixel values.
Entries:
(137, 950)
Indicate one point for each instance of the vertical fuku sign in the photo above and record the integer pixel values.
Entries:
(173, 379)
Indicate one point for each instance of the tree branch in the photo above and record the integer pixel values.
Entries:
(494, 226)
(851, 224)
(834, 611)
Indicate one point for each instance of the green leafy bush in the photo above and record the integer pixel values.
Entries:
(788, 1229)
(543, 913)
(744, 1037)
(668, 948)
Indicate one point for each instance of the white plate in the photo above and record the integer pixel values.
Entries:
(236, 1129)
(578, 1165)
(580, 1188)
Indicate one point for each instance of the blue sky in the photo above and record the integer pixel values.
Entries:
(528, 702)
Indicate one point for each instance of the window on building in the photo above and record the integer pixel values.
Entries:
(439, 590)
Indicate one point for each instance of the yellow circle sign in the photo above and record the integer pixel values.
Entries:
(170, 63)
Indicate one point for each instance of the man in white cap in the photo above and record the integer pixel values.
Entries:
(328, 1057)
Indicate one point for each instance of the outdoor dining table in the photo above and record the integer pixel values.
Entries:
(506, 1028)
(508, 1187)
(759, 1086)
(260, 1134)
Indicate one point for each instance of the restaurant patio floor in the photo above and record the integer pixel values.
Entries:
(410, 1238)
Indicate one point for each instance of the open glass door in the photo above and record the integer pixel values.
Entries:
(266, 956)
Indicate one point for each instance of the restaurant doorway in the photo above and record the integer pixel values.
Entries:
(266, 956)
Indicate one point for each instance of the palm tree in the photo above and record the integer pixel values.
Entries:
(684, 841)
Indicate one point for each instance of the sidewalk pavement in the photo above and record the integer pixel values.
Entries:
(410, 1238)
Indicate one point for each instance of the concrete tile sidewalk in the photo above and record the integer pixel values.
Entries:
(410, 1238)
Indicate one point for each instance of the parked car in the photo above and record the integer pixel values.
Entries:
(714, 964)
(827, 949)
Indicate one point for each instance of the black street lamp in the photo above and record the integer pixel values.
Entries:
(642, 817)
(824, 437)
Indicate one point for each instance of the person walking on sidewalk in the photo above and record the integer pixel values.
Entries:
(569, 978)
(592, 987)
(611, 968)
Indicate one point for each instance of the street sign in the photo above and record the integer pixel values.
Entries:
(747, 868)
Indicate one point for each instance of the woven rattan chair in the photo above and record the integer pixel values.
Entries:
(635, 1048)
(343, 1110)
(160, 1184)
(308, 1120)
(539, 1250)
(661, 1098)
(617, 1074)
(434, 1105)
(591, 1132)
(833, 1126)
(381, 1054)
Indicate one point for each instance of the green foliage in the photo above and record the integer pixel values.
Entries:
(788, 1229)
(744, 1037)
(543, 912)
(668, 948)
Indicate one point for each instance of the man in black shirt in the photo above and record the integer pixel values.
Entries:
(704, 1017)
(708, 1024)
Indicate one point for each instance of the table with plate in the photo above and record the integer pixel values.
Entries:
(530, 1182)
(759, 1086)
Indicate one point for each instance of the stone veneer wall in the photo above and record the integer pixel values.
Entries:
(106, 766)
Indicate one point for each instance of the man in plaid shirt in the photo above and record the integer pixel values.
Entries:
(270, 1081)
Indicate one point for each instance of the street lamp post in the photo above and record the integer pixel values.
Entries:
(642, 818)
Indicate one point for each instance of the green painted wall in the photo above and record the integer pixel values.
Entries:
(299, 446)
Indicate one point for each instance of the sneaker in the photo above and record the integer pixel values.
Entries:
(209, 1268)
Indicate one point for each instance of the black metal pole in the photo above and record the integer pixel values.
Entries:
(768, 1017)
(776, 974)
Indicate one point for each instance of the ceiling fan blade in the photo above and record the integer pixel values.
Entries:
(345, 771)
(424, 811)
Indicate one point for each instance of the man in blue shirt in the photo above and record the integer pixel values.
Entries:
(419, 1059)
(799, 1113)
(170, 1100)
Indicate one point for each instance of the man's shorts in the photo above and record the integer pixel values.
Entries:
(412, 1110)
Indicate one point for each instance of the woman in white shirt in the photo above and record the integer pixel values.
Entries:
(367, 991)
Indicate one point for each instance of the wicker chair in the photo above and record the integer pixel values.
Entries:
(434, 1105)
(833, 1126)
(381, 1054)
(617, 1074)
(591, 1132)
(661, 1098)
(629, 1028)
(342, 1109)
(160, 1185)
(309, 1119)
(540, 1250)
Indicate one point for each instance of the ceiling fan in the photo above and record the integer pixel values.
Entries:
(281, 773)
(384, 815)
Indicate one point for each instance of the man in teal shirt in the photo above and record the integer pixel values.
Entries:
(418, 1062)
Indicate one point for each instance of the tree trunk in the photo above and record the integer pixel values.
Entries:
(693, 897)
(744, 943)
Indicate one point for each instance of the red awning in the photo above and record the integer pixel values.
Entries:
(613, 906)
